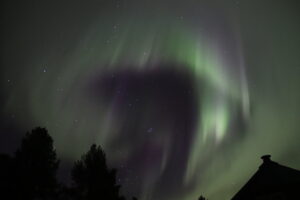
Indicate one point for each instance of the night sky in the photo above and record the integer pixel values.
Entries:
(184, 96)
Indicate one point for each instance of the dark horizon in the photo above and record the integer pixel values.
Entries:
(31, 173)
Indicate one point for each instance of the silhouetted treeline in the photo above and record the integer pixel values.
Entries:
(30, 174)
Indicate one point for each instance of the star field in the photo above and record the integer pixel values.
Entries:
(184, 96)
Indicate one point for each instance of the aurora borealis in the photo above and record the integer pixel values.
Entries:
(184, 96)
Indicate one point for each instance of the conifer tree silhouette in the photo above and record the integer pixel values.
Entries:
(35, 166)
(6, 171)
(201, 198)
(92, 179)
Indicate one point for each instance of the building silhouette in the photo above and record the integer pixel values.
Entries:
(272, 181)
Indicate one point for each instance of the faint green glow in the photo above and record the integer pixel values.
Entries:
(218, 88)
(142, 38)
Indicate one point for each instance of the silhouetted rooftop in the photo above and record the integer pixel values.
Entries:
(271, 181)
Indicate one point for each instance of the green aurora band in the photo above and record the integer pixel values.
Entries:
(53, 85)
(223, 91)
